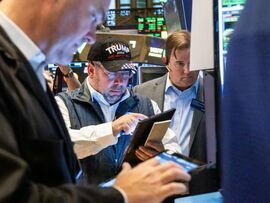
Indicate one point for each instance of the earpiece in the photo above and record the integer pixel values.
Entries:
(168, 68)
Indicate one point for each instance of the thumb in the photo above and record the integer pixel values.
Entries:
(141, 116)
(125, 167)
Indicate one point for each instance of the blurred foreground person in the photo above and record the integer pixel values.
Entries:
(37, 160)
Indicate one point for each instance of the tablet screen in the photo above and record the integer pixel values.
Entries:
(185, 164)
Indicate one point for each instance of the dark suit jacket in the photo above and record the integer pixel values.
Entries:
(155, 89)
(244, 113)
(36, 156)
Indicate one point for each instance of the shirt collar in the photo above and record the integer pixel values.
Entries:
(169, 86)
(29, 49)
(100, 98)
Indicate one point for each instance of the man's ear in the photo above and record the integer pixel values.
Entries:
(165, 60)
(90, 69)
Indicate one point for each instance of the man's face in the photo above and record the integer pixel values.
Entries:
(179, 72)
(71, 23)
(112, 85)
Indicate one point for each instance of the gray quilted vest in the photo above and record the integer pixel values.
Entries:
(83, 112)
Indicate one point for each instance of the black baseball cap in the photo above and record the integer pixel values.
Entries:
(114, 54)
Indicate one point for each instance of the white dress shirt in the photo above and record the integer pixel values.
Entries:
(28, 48)
(182, 119)
(89, 140)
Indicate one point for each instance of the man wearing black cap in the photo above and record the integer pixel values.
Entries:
(102, 112)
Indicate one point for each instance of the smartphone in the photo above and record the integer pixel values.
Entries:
(188, 164)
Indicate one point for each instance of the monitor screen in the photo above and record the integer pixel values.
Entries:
(147, 73)
(152, 26)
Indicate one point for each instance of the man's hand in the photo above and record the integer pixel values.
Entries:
(152, 182)
(151, 149)
(126, 123)
(64, 69)
(72, 81)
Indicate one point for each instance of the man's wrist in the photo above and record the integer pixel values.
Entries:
(69, 74)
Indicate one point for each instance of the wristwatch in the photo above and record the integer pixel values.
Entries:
(70, 74)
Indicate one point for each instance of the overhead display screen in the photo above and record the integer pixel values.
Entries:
(152, 26)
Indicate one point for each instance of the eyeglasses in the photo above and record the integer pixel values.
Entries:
(125, 75)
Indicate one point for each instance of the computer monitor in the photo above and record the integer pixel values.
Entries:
(151, 25)
(147, 73)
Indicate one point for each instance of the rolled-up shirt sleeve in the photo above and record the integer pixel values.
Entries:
(88, 140)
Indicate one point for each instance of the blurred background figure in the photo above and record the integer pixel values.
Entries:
(69, 77)
(48, 77)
